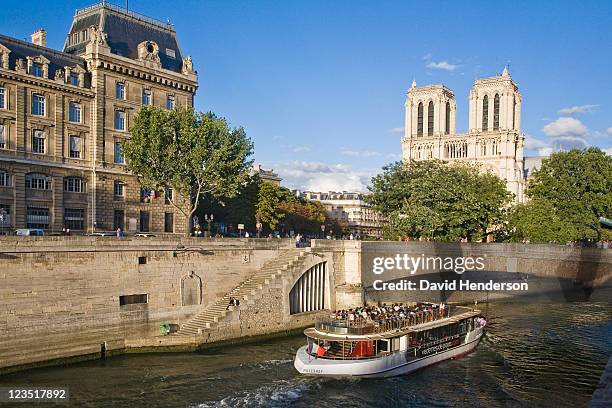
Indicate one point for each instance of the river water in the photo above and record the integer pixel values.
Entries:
(536, 352)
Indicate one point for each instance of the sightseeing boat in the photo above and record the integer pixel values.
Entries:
(391, 346)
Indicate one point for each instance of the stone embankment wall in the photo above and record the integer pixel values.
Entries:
(62, 296)
(71, 297)
(550, 270)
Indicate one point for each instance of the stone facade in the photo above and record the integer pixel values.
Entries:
(62, 114)
(349, 208)
(494, 140)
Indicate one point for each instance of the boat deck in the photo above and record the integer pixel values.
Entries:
(460, 314)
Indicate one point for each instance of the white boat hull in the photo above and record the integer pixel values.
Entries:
(387, 366)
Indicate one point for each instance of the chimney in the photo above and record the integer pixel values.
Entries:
(39, 37)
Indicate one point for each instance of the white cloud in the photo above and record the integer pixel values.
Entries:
(568, 143)
(608, 150)
(565, 126)
(317, 176)
(427, 56)
(397, 130)
(607, 132)
(577, 109)
(301, 149)
(443, 65)
(543, 148)
(359, 153)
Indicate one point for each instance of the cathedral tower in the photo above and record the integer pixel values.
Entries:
(495, 104)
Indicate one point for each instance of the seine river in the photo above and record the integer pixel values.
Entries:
(535, 353)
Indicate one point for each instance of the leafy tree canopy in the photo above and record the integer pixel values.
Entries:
(193, 153)
(567, 196)
(434, 199)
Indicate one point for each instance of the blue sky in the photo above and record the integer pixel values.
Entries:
(320, 85)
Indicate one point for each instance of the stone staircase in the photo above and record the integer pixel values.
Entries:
(252, 288)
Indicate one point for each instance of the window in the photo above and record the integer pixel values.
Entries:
(145, 195)
(142, 260)
(5, 180)
(119, 190)
(430, 119)
(146, 97)
(119, 159)
(74, 218)
(513, 111)
(74, 185)
(3, 144)
(37, 69)
(144, 221)
(38, 105)
(74, 112)
(38, 181)
(420, 119)
(38, 142)
(133, 299)
(120, 90)
(118, 220)
(75, 147)
(73, 79)
(170, 53)
(485, 113)
(169, 222)
(170, 102)
(2, 98)
(448, 119)
(5, 215)
(119, 120)
(38, 217)
(168, 195)
(496, 112)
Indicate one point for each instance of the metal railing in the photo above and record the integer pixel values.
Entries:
(138, 16)
(363, 326)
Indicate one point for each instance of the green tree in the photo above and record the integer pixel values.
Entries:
(268, 200)
(193, 153)
(437, 200)
(567, 196)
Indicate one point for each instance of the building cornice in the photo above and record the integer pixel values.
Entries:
(45, 83)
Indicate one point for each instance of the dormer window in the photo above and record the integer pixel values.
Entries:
(36, 69)
(73, 79)
(170, 53)
(120, 91)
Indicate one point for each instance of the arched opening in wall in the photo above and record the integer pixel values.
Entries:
(496, 112)
(420, 119)
(191, 290)
(309, 292)
(485, 113)
(447, 126)
(430, 119)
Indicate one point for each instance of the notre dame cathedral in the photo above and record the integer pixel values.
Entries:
(494, 140)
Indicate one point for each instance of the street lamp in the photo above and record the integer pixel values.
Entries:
(322, 231)
(209, 220)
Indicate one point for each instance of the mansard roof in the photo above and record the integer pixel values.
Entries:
(22, 49)
(125, 30)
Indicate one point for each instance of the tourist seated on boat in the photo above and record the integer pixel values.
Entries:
(395, 313)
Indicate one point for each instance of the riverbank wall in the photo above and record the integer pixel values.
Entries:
(68, 298)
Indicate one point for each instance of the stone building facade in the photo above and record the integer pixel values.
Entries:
(494, 140)
(349, 208)
(63, 114)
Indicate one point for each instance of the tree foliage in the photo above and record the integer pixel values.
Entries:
(567, 195)
(434, 199)
(193, 153)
